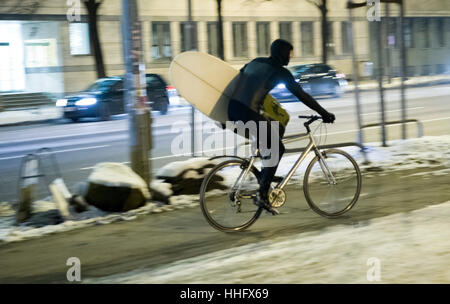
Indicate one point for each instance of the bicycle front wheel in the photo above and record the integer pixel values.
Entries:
(332, 183)
(226, 196)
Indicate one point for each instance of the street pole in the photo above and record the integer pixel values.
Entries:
(355, 73)
(220, 30)
(189, 47)
(403, 67)
(135, 91)
(380, 82)
(388, 45)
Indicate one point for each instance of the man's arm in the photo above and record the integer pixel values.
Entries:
(307, 99)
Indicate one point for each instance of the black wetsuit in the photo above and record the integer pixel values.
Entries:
(256, 80)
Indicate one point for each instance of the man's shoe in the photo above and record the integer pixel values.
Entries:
(263, 202)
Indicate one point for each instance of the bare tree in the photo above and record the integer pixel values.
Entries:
(322, 6)
(92, 8)
(220, 47)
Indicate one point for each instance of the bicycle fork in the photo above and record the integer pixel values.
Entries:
(325, 169)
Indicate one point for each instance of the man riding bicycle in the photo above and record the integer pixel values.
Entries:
(255, 80)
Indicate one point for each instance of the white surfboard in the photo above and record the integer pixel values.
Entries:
(205, 82)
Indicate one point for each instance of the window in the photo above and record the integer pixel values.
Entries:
(213, 38)
(330, 40)
(188, 36)
(154, 82)
(440, 28)
(392, 35)
(421, 32)
(306, 29)
(345, 37)
(285, 29)
(79, 39)
(408, 32)
(161, 46)
(240, 47)
(423, 39)
(263, 37)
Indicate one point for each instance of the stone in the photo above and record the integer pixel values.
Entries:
(114, 187)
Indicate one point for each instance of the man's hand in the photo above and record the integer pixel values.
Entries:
(328, 117)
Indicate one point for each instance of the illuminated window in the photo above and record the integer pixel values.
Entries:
(79, 39)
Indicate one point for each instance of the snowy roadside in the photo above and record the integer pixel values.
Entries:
(396, 83)
(35, 115)
(400, 248)
(423, 152)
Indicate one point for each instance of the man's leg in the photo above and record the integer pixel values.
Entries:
(268, 171)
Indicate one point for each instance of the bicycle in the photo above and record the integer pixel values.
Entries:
(331, 185)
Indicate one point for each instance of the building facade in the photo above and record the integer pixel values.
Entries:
(44, 45)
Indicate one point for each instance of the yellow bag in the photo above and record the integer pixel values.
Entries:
(273, 110)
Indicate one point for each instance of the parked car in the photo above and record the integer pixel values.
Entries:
(105, 97)
(315, 79)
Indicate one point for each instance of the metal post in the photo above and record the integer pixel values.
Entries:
(355, 74)
(403, 68)
(190, 47)
(388, 45)
(380, 82)
(135, 93)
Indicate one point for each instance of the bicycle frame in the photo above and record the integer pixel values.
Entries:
(311, 146)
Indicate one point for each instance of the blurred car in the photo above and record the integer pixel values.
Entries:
(316, 79)
(105, 97)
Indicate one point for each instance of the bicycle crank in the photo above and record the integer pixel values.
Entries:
(277, 198)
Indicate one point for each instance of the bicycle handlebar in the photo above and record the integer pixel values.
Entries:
(312, 118)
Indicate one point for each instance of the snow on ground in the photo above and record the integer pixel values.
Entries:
(400, 248)
(20, 116)
(399, 155)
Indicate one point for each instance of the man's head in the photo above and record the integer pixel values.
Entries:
(282, 51)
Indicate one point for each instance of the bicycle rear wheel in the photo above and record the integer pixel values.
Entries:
(331, 195)
(226, 196)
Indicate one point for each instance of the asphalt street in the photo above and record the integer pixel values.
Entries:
(79, 146)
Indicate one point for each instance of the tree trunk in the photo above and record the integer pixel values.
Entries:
(92, 8)
(220, 30)
(324, 11)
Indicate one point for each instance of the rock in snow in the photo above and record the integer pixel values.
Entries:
(186, 177)
(115, 187)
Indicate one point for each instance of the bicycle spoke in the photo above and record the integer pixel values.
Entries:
(332, 198)
(232, 209)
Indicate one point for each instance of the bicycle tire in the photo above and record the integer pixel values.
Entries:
(353, 185)
(206, 202)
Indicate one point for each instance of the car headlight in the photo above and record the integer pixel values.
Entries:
(86, 102)
(61, 102)
(281, 86)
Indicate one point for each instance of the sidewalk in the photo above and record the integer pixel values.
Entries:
(411, 82)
